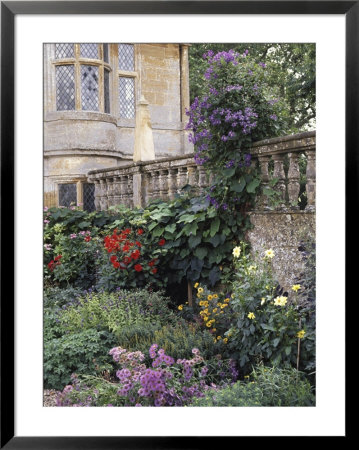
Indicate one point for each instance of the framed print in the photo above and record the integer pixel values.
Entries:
(95, 101)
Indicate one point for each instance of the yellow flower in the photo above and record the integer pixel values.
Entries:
(199, 295)
(202, 313)
(251, 316)
(215, 296)
(200, 290)
(252, 268)
(280, 301)
(301, 334)
(208, 324)
(236, 252)
(201, 303)
(205, 318)
(209, 297)
(214, 329)
(226, 300)
(215, 310)
(269, 253)
(232, 296)
(219, 338)
(196, 285)
(296, 287)
(263, 301)
(205, 303)
(221, 312)
(180, 307)
(246, 376)
(225, 340)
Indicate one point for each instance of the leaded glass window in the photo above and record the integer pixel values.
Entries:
(64, 51)
(89, 88)
(126, 57)
(67, 194)
(127, 97)
(89, 196)
(89, 51)
(106, 91)
(65, 88)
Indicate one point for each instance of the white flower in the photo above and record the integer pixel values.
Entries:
(236, 252)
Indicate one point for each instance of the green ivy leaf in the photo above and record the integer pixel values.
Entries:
(214, 226)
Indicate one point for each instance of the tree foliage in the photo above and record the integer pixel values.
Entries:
(291, 74)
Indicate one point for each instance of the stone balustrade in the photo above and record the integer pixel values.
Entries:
(138, 183)
(279, 164)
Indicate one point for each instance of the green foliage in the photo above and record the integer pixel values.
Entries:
(291, 75)
(238, 394)
(282, 387)
(268, 387)
(82, 352)
(113, 311)
(198, 237)
(265, 325)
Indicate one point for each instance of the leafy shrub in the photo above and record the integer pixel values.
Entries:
(82, 352)
(177, 340)
(283, 387)
(56, 297)
(266, 326)
(112, 311)
(238, 394)
(71, 259)
(269, 387)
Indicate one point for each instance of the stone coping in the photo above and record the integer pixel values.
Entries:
(283, 144)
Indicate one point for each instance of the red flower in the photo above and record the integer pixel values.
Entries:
(87, 239)
(154, 270)
(162, 242)
(116, 264)
(138, 268)
(136, 254)
(126, 260)
(58, 257)
(138, 244)
(140, 231)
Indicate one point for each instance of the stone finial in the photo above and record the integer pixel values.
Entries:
(144, 148)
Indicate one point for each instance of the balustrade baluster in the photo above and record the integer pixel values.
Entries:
(181, 178)
(264, 173)
(293, 180)
(110, 193)
(278, 173)
(172, 183)
(163, 184)
(311, 175)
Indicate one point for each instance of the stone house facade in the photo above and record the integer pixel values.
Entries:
(92, 97)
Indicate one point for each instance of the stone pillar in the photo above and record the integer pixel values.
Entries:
(144, 148)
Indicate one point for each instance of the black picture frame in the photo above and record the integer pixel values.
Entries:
(9, 9)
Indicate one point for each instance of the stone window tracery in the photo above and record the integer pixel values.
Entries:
(82, 77)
